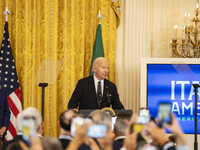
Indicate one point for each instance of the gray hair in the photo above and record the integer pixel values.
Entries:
(96, 62)
(29, 112)
(104, 117)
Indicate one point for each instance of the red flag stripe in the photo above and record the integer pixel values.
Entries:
(12, 129)
(19, 94)
(16, 101)
(12, 106)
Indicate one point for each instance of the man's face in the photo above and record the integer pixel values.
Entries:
(101, 70)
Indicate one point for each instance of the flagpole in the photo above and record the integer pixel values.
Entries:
(98, 46)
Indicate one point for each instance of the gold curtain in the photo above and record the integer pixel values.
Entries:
(56, 30)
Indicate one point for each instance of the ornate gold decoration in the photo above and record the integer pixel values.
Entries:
(109, 110)
(189, 46)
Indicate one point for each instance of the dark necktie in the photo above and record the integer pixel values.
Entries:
(99, 96)
(99, 87)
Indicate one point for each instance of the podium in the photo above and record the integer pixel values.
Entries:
(86, 112)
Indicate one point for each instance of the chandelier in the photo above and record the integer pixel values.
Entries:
(189, 45)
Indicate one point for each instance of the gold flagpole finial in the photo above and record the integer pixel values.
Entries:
(6, 12)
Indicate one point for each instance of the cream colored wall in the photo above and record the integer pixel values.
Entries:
(146, 30)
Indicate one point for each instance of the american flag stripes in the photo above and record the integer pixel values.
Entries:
(9, 81)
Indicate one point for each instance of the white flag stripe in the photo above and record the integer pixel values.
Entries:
(9, 136)
(13, 119)
(16, 101)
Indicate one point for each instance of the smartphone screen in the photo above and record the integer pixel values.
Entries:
(144, 112)
(76, 123)
(143, 117)
(97, 130)
(164, 114)
(28, 128)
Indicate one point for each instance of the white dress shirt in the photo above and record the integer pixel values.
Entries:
(96, 84)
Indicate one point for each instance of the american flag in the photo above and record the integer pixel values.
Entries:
(9, 81)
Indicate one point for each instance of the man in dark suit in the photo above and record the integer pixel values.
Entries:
(96, 92)
(120, 128)
(4, 113)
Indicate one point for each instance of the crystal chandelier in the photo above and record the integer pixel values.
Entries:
(189, 45)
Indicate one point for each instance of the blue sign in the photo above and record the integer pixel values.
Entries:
(174, 84)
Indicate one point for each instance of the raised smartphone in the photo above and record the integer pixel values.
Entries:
(164, 114)
(97, 130)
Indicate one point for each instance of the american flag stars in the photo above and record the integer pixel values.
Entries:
(7, 68)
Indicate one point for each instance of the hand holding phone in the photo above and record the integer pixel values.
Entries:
(142, 119)
(76, 123)
(164, 114)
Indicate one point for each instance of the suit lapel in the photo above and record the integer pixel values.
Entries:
(92, 89)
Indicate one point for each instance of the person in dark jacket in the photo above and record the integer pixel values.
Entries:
(4, 114)
(96, 92)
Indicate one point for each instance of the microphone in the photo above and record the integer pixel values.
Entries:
(108, 95)
(100, 98)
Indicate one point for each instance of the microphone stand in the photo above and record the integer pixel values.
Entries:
(195, 124)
